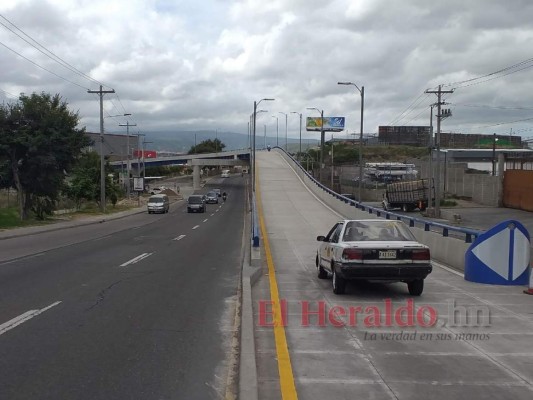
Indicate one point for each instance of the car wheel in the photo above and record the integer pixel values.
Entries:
(416, 287)
(339, 284)
(322, 273)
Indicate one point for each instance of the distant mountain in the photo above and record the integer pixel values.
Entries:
(181, 142)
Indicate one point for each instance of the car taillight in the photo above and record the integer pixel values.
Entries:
(352, 254)
(420, 254)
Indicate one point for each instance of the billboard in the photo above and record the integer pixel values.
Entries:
(147, 154)
(331, 124)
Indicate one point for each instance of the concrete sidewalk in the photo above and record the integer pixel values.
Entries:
(81, 221)
(465, 355)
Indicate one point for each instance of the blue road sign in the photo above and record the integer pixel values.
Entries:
(500, 256)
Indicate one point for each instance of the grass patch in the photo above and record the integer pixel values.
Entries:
(9, 218)
(448, 203)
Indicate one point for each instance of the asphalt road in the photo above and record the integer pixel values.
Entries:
(137, 308)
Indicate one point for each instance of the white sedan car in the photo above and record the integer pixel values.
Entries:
(375, 250)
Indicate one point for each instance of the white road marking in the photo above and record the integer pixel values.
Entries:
(22, 258)
(136, 259)
(217, 210)
(205, 220)
(179, 237)
(196, 226)
(7, 326)
(447, 268)
(212, 215)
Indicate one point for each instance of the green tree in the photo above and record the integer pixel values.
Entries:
(40, 142)
(83, 183)
(207, 146)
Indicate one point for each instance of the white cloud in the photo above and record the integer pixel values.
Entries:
(200, 65)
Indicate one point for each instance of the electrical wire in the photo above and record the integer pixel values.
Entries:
(492, 107)
(42, 49)
(43, 68)
(9, 94)
(512, 69)
(409, 109)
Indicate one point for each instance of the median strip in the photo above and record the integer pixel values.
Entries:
(286, 377)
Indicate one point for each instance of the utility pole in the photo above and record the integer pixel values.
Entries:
(441, 114)
(101, 93)
(127, 125)
(430, 145)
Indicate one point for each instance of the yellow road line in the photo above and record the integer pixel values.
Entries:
(286, 377)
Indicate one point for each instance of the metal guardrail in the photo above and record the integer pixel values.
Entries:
(255, 223)
(469, 234)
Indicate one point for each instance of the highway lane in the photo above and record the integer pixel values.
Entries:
(157, 327)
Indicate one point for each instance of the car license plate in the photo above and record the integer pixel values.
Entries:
(387, 254)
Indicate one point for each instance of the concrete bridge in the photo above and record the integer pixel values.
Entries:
(197, 161)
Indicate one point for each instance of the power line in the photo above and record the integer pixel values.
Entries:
(511, 68)
(493, 107)
(42, 49)
(9, 94)
(43, 68)
(504, 123)
(409, 108)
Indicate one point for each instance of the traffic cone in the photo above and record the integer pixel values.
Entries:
(529, 290)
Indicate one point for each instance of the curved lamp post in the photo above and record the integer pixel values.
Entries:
(362, 93)
(277, 129)
(321, 141)
(300, 114)
(253, 138)
(286, 138)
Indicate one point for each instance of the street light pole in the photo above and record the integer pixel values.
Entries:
(294, 112)
(362, 93)
(265, 137)
(127, 125)
(321, 141)
(277, 129)
(286, 135)
(253, 142)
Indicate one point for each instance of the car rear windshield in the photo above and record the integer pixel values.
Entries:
(195, 200)
(377, 231)
(212, 194)
(156, 200)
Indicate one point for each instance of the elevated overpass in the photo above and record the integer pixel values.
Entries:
(312, 344)
(197, 161)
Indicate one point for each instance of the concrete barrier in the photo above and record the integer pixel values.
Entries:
(446, 250)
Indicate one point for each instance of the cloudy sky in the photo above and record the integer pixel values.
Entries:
(199, 65)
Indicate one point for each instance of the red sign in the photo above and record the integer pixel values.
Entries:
(147, 154)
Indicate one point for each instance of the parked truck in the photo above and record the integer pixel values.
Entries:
(409, 195)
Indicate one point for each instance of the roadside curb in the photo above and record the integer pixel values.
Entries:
(36, 230)
(248, 388)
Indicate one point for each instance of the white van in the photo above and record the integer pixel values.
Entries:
(158, 203)
(225, 173)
